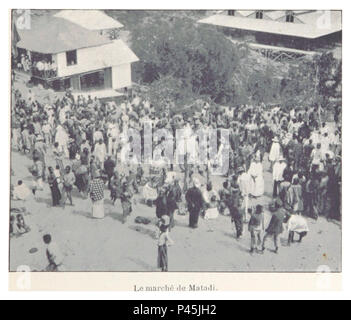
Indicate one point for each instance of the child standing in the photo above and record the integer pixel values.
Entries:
(53, 254)
(256, 227)
(163, 242)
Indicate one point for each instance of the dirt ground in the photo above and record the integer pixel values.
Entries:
(108, 245)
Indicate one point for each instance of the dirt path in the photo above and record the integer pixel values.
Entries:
(108, 245)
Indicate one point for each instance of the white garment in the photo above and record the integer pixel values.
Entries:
(21, 192)
(256, 172)
(97, 136)
(113, 134)
(100, 152)
(297, 224)
(211, 214)
(278, 170)
(62, 116)
(98, 211)
(62, 139)
(55, 253)
(149, 193)
(274, 154)
(245, 184)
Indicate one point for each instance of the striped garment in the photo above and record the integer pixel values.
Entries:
(97, 190)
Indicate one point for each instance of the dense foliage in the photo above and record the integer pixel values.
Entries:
(181, 60)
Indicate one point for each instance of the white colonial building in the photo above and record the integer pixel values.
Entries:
(73, 49)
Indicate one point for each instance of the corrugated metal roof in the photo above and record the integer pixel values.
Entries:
(90, 19)
(50, 35)
(312, 28)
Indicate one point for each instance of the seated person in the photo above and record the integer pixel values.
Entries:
(298, 224)
(54, 255)
(21, 191)
(21, 225)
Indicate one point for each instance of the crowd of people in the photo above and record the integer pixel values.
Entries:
(78, 143)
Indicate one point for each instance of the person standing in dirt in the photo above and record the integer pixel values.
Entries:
(53, 254)
(195, 202)
(164, 241)
(37, 171)
(256, 227)
(126, 200)
(68, 182)
(161, 203)
(97, 196)
(172, 205)
(55, 191)
(59, 155)
(109, 167)
(233, 206)
(275, 227)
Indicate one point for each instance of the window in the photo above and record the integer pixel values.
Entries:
(290, 17)
(259, 14)
(231, 12)
(71, 57)
(94, 80)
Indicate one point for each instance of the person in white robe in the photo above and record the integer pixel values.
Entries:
(256, 173)
(297, 224)
(21, 192)
(245, 187)
(278, 170)
(62, 139)
(100, 152)
(62, 116)
(275, 151)
(98, 136)
(112, 134)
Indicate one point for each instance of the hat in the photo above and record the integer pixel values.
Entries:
(281, 158)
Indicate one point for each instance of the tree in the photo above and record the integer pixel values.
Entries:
(200, 57)
(313, 82)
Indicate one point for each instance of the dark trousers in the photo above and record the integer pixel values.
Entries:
(238, 220)
(275, 239)
(291, 236)
(56, 195)
(275, 188)
(171, 219)
(194, 218)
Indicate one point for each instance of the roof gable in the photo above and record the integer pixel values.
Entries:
(90, 19)
(49, 34)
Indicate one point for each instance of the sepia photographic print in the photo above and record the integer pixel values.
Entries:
(176, 141)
